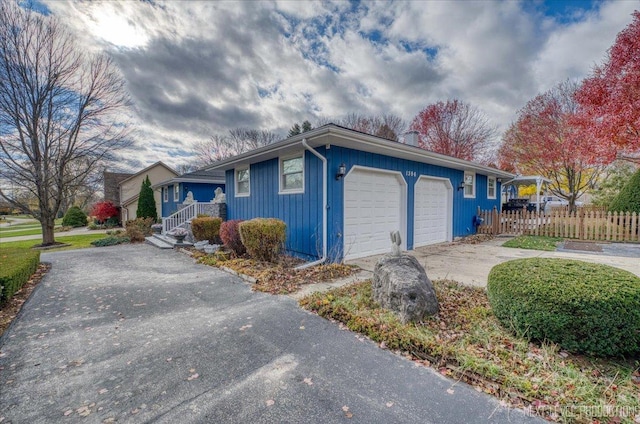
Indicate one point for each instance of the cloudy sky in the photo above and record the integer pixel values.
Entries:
(199, 68)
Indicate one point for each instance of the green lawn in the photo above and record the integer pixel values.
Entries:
(534, 243)
(25, 229)
(76, 242)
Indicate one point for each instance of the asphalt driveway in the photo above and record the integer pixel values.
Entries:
(138, 334)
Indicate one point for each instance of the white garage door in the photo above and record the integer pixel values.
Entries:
(374, 203)
(433, 211)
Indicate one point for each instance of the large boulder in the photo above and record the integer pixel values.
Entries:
(401, 285)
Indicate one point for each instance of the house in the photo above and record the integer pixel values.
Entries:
(128, 188)
(202, 185)
(341, 192)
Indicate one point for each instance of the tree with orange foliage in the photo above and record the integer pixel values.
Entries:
(609, 100)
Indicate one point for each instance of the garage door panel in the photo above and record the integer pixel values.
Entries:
(372, 209)
(432, 219)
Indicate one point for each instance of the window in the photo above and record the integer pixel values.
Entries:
(469, 184)
(243, 182)
(292, 174)
(176, 193)
(491, 187)
(165, 194)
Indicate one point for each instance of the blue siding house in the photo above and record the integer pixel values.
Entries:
(341, 192)
(201, 183)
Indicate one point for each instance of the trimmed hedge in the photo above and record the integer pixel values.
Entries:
(16, 266)
(230, 235)
(206, 228)
(583, 307)
(74, 217)
(263, 237)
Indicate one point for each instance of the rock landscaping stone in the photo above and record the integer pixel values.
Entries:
(401, 285)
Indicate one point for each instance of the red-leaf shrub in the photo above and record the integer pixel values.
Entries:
(104, 210)
(230, 235)
(263, 237)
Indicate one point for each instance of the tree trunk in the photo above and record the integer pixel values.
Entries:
(47, 225)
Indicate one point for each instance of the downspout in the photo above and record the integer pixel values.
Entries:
(324, 207)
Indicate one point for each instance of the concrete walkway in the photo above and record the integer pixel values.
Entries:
(471, 263)
(137, 334)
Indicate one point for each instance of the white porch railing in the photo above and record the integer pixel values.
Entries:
(184, 215)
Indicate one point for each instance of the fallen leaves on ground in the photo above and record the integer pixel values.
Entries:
(466, 342)
(280, 277)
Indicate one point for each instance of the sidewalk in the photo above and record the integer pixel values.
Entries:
(471, 263)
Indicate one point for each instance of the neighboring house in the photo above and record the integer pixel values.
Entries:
(202, 184)
(128, 188)
(341, 192)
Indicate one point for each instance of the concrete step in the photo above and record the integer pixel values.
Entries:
(158, 243)
(166, 242)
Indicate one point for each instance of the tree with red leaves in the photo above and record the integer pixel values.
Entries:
(609, 99)
(104, 210)
(454, 128)
(544, 141)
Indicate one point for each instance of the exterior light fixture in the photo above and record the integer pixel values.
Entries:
(342, 169)
(461, 186)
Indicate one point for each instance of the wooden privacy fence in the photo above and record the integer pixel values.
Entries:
(581, 224)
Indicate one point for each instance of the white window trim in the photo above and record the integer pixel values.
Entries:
(473, 185)
(495, 188)
(235, 181)
(176, 192)
(281, 190)
(165, 194)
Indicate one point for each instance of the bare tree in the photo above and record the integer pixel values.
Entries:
(239, 140)
(454, 128)
(58, 112)
(387, 126)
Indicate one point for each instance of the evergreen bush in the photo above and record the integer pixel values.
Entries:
(74, 217)
(16, 266)
(583, 307)
(146, 202)
(628, 200)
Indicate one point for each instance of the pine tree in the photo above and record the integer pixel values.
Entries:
(146, 202)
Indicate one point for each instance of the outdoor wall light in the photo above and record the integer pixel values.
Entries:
(342, 169)
(461, 186)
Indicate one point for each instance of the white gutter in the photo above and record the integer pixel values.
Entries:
(324, 207)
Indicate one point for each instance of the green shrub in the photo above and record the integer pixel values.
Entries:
(628, 200)
(16, 266)
(110, 241)
(137, 229)
(583, 307)
(146, 201)
(206, 228)
(263, 237)
(74, 217)
(230, 236)
(92, 226)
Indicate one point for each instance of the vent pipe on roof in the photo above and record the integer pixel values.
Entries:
(411, 138)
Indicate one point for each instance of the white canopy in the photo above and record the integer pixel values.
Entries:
(538, 180)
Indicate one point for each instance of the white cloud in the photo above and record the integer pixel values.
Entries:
(195, 68)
